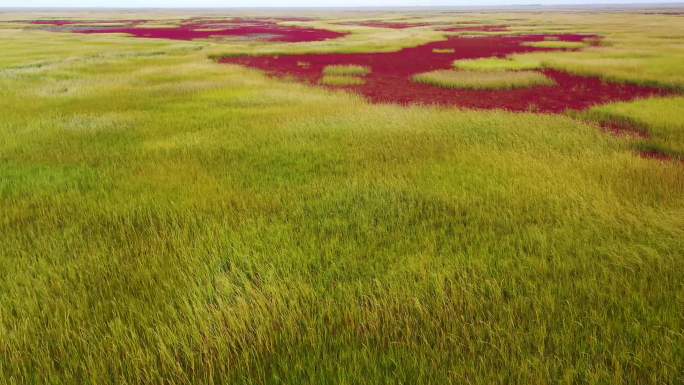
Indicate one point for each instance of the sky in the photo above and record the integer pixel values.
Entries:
(297, 3)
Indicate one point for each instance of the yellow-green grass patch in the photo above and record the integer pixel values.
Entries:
(341, 80)
(497, 64)
(483, 80)
(443, 50)
(346, 70)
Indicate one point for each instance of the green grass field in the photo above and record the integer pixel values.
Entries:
(166, 219)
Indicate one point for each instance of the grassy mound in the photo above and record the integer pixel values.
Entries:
(346, 70)
(443, 50)
(481, 80)
(496, 64)
(341, 80)
(344, 75)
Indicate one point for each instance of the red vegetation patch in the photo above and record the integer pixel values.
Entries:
(259, 29)
(390, 77)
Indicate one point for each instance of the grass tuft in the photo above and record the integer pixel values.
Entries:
(342, 80)
(346, 70)
(344, 75)
(497, 65)
(481, 80)
(443, 50)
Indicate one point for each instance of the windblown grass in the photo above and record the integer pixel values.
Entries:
(168, 220)
(496, 64)
(483, 80)
(346, 70)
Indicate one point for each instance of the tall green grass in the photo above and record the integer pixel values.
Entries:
(168, 220)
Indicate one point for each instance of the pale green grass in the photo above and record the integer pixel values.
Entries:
(342, 80)
(662, 118)
(168, 220)
(443, 50)
(483, 80)
(496, 64)
(346, 70)
(556, 44)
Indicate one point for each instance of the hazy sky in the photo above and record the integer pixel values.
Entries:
(295, 3)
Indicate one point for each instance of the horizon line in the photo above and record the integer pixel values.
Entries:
(503, 5)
